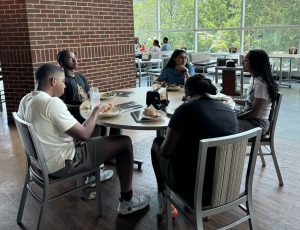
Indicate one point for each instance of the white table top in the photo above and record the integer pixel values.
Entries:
(297, 56)
(126, 121)
(151, 61)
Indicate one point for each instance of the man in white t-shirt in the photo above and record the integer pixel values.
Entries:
(57, 129)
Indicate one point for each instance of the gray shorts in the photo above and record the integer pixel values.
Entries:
(245, 125)
(88, 155)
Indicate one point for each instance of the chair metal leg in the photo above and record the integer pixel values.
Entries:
(98, 195)
(23, 200)
(263, 162)
(79, 182)
(251, 220)
(276, 164)
(43, 207)
(41, 216)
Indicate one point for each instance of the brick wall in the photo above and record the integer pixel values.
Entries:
(100, 33)
(15, 55)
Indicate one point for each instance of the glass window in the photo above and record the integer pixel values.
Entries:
(219, 40)
(177, 14)
(219, 14)
(146, 37)
(180, 40)
(271, 40)
(144, 15)
(275, 12)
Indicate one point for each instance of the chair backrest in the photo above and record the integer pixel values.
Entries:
(274, 114)
(198, 57)
(222, 61)
(229, 165)
(31, 144)
(155, 55)
(165, 61)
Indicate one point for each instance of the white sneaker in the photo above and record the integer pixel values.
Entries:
(137, 202)
(104, 175)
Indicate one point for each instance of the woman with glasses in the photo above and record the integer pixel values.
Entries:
(178, 69)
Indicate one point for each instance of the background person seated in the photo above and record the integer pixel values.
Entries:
(155, 47)
(137, 44)
(57, 131)
(178, 70)
(175, 158)
(165, 46)
(262, 91)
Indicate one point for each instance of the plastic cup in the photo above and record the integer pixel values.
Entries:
(95, 99)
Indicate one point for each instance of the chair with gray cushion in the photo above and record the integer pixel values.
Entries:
(37, 178)
(228, 191)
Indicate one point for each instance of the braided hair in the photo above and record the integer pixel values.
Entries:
(260, 67)
(199, 85)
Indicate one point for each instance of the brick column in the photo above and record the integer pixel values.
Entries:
(100, 33)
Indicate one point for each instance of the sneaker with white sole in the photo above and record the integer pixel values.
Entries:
(137, 202)
(105, 174)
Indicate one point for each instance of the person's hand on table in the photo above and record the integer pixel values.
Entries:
(103, 108)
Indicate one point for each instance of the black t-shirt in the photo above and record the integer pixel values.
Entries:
(196, 120)
(75, 93)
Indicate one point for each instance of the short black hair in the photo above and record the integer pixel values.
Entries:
(166, 39)
(45, 71)
(199, 85)
(60, 57)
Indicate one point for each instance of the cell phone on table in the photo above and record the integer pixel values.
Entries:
(138, 116)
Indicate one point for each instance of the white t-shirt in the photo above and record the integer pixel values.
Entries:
(258, 89)
(154, 49)
(51, 119)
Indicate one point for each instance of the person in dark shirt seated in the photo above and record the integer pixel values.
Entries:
(76, 91)
(178, 70)
(174, 157)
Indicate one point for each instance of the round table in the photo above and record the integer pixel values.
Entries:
(125, 121)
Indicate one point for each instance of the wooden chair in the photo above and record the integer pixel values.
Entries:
(37, 174)
(227, 180)
(268, 138)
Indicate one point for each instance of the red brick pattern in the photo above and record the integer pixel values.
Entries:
(100, 33)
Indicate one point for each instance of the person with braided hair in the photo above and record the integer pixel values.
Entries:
(199, 118)
(261, 92)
